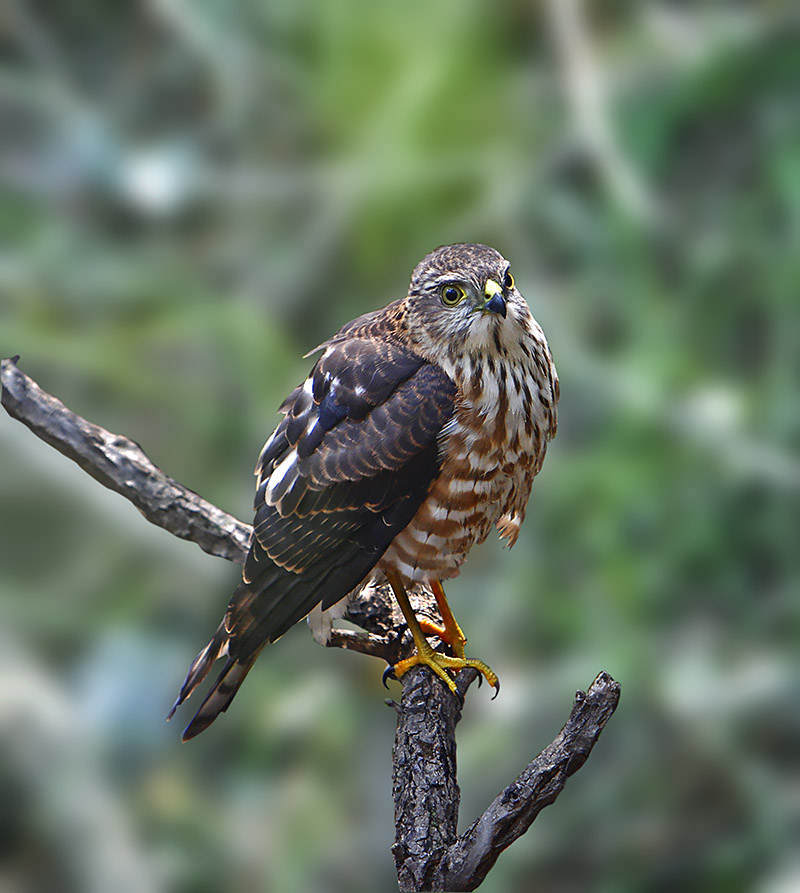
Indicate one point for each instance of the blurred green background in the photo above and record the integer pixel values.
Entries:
(196, 193)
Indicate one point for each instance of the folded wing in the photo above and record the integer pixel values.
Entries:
(343, 473)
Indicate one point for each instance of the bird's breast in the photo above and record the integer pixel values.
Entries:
(491, 450)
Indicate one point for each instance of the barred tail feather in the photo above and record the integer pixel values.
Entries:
(220, 696)
(260, 613)
(198, 671)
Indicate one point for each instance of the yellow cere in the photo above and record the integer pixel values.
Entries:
(492, 288)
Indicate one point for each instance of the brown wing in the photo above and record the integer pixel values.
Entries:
(344, 472)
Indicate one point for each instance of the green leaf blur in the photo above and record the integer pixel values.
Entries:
(193, 195)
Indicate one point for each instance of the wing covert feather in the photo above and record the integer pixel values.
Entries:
(308, 507)
(344, 472)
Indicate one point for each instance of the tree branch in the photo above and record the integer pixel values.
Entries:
(513, 811)
(121, 465)
(429, 854)
(424, 786)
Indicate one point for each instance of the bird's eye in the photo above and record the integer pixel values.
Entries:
(452, 295)
(508, 280)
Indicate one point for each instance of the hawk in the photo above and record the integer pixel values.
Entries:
(420, 427)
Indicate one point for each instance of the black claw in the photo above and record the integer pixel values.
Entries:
(496, 690)
(480, 679)
(388, 673)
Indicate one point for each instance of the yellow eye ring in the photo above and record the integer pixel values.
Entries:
(508, 280)
(452, 295)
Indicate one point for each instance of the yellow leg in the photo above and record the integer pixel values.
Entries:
(451, 633)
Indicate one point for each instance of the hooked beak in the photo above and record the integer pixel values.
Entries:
(495, 302)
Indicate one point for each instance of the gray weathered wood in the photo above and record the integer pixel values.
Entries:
(429, 854)
(120, 464)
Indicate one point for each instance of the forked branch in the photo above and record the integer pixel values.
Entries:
(429, 854)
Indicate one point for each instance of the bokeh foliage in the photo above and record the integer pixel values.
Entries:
(195, 194)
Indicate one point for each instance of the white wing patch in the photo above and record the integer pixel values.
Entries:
(280, 472)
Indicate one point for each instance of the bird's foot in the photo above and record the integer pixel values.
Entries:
(443, 665)
(451, 635)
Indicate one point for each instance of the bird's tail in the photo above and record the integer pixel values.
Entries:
(257, 614)
(222, 692)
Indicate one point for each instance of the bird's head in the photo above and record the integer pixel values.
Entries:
(463, 298)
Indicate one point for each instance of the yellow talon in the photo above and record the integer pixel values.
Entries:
(441, 663)
(450, 633)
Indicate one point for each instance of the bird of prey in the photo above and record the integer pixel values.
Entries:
(420, 427)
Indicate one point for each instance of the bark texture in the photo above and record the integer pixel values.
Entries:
(429, 854)
(120, 464)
